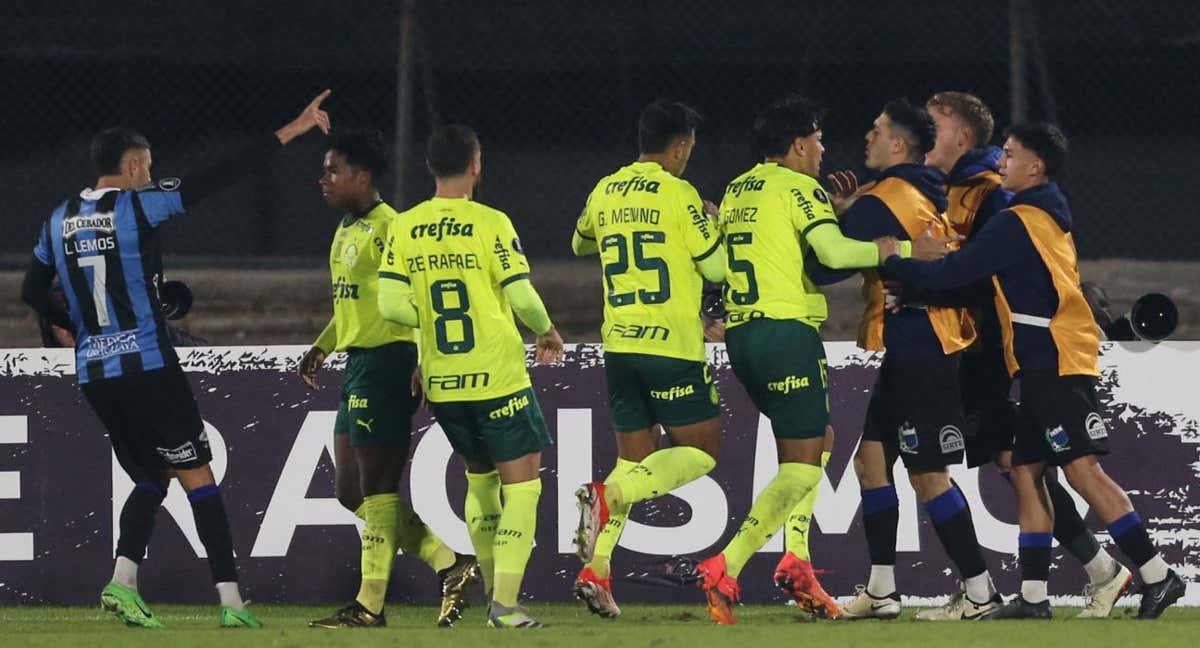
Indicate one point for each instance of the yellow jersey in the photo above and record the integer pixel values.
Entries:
(650, 229)
(458, 255)
(354, 257)
(766, 214)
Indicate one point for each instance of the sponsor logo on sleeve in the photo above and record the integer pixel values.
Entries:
(1095, 427)
(951, 439)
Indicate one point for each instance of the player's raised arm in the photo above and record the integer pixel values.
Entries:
(172, 196)
(814, 218)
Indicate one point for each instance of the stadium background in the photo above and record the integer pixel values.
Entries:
(554, 89)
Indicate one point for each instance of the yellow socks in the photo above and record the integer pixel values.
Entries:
(514, 539)
(770, 511)
(611, 534)
(482, 511)
(660, 473)
(378, 548)
(417, 539)
(795, 534)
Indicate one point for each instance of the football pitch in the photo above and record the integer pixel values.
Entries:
(571, 626)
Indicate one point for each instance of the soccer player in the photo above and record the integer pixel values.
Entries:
(374, 421)
(964, 128)
(656, 246)
(103, 245)
(770, 216)
(915, 411)
(456, 269)
(1051, 346)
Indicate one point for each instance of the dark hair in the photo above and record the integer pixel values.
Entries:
(363, 149)
(968, 108)
(664, 121)
(915, 124)
(110, 145)
(780, 123)
(1044, 139)
(450, 150)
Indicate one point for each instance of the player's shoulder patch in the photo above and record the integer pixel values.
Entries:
(820, 195)
(169, 184)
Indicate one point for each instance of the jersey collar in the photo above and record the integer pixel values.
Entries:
(351, 218)
(95, 194)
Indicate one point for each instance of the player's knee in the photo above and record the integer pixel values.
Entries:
(868, 473)
(1083, 473)
(929, 484)
(350, 497)
(860, 465)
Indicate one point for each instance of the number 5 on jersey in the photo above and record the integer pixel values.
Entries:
(742, 266)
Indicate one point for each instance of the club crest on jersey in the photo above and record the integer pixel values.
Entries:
(350, 255)
(1058, 439)
(1095, 427)
(951, 439)
(908, 438)
(448, 226)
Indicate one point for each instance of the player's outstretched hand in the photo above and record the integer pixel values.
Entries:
(310, 364)
(930, 247)
(842, 183)
(846, 190)
(549, 347)
(710, 209)
(888, 245)
(312, 117)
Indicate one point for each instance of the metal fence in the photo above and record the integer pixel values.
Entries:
(554, 89)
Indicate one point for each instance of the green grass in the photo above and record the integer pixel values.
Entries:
(572, 627)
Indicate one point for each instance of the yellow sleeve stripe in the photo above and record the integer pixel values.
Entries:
(716, 244)
(584, 236)
(384, 274)
(516, 277)
(826, 221)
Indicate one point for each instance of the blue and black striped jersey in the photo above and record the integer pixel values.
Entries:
(104, 247)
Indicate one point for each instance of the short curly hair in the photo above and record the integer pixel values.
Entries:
(968, 108)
